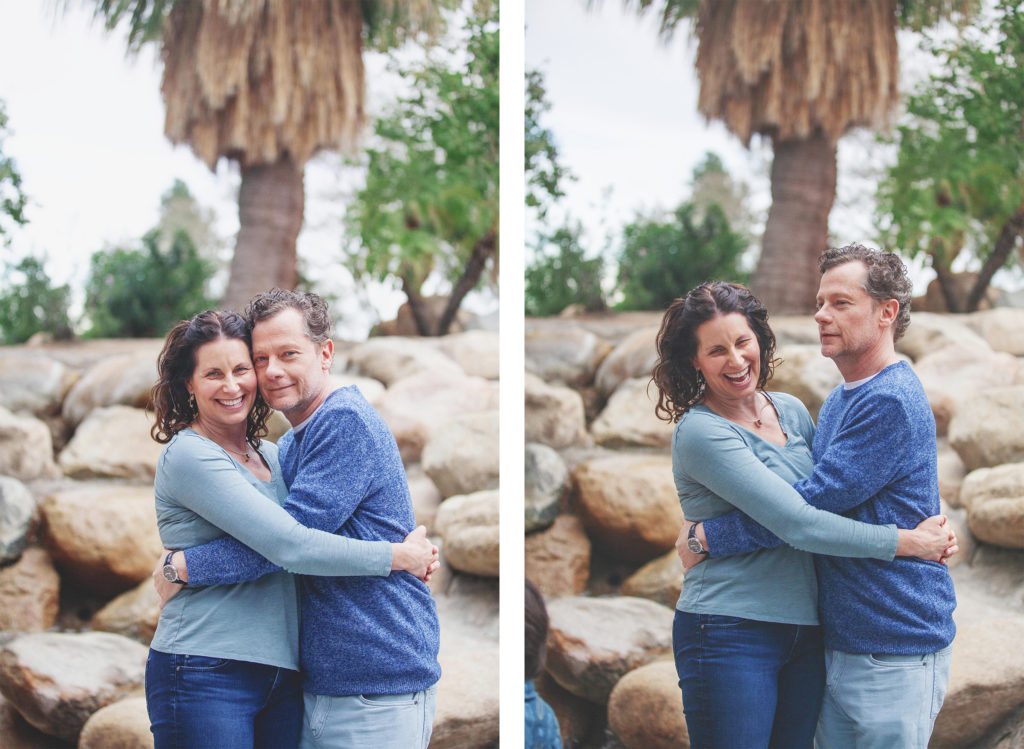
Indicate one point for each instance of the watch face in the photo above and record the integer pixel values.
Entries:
(170, 574)
(692, 543)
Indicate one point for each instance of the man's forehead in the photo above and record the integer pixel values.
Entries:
(846, 278)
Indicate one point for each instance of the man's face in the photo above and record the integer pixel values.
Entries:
(292, 370)
(849, 320)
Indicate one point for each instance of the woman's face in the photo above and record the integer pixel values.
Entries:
(224, 382)
(729, 357)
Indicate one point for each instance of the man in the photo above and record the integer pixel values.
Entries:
(368, 644)
(888, 626)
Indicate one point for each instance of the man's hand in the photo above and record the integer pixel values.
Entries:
(416, 555)
(932, 540)
(167, 590)
(688, 558)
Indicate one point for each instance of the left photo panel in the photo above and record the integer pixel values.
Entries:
(249, 381)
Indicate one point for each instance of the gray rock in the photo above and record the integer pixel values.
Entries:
(930, 332)
(18, 514)
(985, 430)
(118, 380)
(554, 414)
(461, 456)
(546, 484)
(569, 355)
(33, 382)
(633, 357)
(26, 448)
(1002, 328)
(476, 351)
(392, 359)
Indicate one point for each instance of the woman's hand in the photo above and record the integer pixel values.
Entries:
(416, 555)
(932, 540)
(166, 590)
(689, 558)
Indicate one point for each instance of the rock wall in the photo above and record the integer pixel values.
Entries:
(78, 536)
(601, 515)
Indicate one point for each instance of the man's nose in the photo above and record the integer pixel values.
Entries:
(821, 315)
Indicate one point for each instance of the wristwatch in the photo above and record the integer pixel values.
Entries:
(171, 572)
(692, 542)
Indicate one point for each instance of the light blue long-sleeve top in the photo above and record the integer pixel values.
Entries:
(719, 467)
(202, 494)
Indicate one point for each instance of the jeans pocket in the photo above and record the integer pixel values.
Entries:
(884, 660)
(387, 700)
(201, 663)
(720, 620)
(321, 710)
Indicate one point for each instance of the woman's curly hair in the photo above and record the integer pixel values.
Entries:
(679, 384)
(170, 399)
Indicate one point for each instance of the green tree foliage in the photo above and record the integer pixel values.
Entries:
(567, 276)
(30, 304)
(544, 173)
(958, 183)
(135, 293)
(430, 203)
(662, 260)
(12, 199)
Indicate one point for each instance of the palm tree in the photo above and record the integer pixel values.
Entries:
(801, 73)
(268, 84)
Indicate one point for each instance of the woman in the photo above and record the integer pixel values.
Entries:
(748, 650)
(223, 664)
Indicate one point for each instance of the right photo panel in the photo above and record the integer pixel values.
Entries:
(774, 300)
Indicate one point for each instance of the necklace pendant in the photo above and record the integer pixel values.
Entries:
(757, 423)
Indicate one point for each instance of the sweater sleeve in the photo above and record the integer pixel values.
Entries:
(265, 536)
(716, 457)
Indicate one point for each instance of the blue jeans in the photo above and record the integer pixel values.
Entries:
(748, 684)
(363, 721)
(198, 701)
(880, 701)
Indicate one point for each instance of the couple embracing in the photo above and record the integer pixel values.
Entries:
(239, 515)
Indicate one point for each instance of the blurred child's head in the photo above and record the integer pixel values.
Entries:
(535, 644)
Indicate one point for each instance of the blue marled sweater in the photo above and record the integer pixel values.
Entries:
(359, 635)
(875, 461)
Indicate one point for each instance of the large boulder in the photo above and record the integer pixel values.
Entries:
(951, 474)
(555, 415)
(467, 700)
(415, 406)
(104, 537)
(426, 498)
(994, 498)
(985, 431)
(557, 560)
(1002, 328)
(461, 456)
(18, 515)
(660, 580)
(629, 504)
(369, 388)
(469, 526)
(57, 679)
(930, 332)
(629, 418)
(29, 593)
(17, 733)
(119, 725)
(986, 681)
(800, 330)
(392, 359)
(635, 356)
(952, 374)
(594, 642)
(568, 355)
(476, 351)
(805, 373)
(134, 614)
(26, 447)
(546, 484)
(124, 380)
(33, 382)
(112, 442)
(645, 710)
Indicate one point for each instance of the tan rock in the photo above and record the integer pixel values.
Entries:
(557, 560)
(594, 642)
(800, 330)
(805, 373)
(112, 442)
(124, 380)
(415, 406)
(476, 351)
(102, 537)
(994, 498)
(17, 733)
(568, 355)
(645, 710)
(635, 356)
(26, 447)
(468, 524)
(426, 497)
(951, 474)
(134, 613)
(660, 580)
(577, 718)
(554, 414)
(461, 456)
(57, 679)
(120, 725)
(986, 681)
(467, 699)
(629, 418)
(985, 431)
(33, 382)
(395, 358)
(1002, 328)
(930, 332)
(29, 593)
(952, 375)
(629, 504)
(370, 388)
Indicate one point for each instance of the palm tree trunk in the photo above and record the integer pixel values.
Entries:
(270, 210)
(803, 189)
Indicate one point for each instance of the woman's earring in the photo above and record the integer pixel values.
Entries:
(192, 402)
